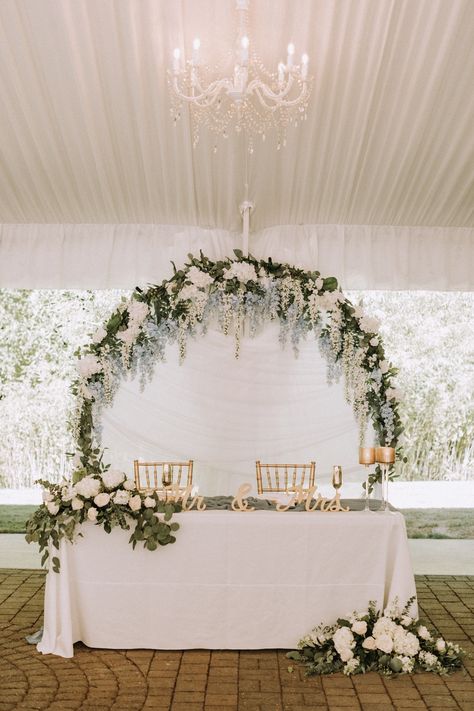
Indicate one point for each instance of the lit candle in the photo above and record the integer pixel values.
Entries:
(366, 455)
(385, 455)
(196, 46)
(281, 72)
(176, 58)
(304, 66)
(244, 52)
(291, 51)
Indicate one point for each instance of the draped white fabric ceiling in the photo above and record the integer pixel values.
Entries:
(86, 134)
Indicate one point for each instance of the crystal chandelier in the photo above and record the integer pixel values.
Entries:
(250, 99)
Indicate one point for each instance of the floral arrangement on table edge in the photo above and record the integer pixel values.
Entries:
(135, 338)
(392, 642)
(106, 498)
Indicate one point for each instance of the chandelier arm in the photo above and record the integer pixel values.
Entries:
(282, 104)
(258, 83)
(212, 92)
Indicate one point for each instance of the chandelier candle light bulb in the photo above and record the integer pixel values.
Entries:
(196, 46)
(291, 51)
(176, 60)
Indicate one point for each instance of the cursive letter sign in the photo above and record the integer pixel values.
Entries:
(240, 503)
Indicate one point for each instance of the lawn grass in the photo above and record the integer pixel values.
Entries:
(439, 523)
(421, 523)
(13, 518)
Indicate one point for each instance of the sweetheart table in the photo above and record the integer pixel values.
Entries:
(232, 580)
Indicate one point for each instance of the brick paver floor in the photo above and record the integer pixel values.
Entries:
(97, 679)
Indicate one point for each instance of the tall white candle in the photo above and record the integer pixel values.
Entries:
(244, 51)
(304, 66)
(196, 46)
(176, 58)
(291, 51)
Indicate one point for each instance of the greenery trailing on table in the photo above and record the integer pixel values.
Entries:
(108, 499)
(392, 642)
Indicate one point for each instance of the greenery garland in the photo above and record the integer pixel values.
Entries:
(233, 290)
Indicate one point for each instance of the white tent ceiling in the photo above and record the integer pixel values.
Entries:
(86, 134)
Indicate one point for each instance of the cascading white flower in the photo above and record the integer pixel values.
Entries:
(99, 335)
(137, 311)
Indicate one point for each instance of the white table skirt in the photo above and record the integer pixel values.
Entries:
(231, 581)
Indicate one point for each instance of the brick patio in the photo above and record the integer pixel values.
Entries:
(95, 680)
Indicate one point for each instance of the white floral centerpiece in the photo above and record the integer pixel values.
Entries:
(390, 642)
(106, 498)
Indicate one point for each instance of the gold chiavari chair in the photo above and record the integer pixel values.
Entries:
(157, 476)
(284, 478)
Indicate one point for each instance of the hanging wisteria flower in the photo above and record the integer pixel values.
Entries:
(385, 646)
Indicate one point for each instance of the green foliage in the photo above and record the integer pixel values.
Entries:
(430, 337)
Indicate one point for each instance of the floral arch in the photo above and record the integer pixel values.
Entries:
(234, 291)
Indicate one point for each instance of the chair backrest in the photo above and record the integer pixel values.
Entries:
(284, 477)
(159, 475)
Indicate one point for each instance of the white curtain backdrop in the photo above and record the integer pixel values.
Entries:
(123, 255)
(226, 413)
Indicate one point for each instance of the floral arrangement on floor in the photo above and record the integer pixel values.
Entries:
(392, 642)
(106, 498)
(232, 291)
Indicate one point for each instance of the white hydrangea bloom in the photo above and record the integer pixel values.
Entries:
(405, 643)
(344, 642)
(384, 625)
(112, 478)
(199, 278)
(369, 324)
(87, 487)
(242, 271)
(384, 642)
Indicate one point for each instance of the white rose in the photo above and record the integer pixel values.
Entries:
(384, 643)
(99, 335)
(130, 335)
(369, 643)
(358, 312)
(77, 504)
(67, 492)
(423, 633)
(102, 499)
(369, 324)
(359, 627)
(440, 645)
(47, 496)
(346, 654)
(199, 278)
(52, 508)
(129, 485)
(149, 503)
(137, 311)
(88, 365)
(121, 497)
(112, 478)
(319, 283)
(87, 487)
(374, 341)
(135, 502)
(384, 366)
(92, 514)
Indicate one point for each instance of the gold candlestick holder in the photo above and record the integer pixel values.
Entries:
(385, 456)
(367, 458)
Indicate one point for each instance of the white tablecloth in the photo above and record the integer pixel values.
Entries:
(231, 581)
